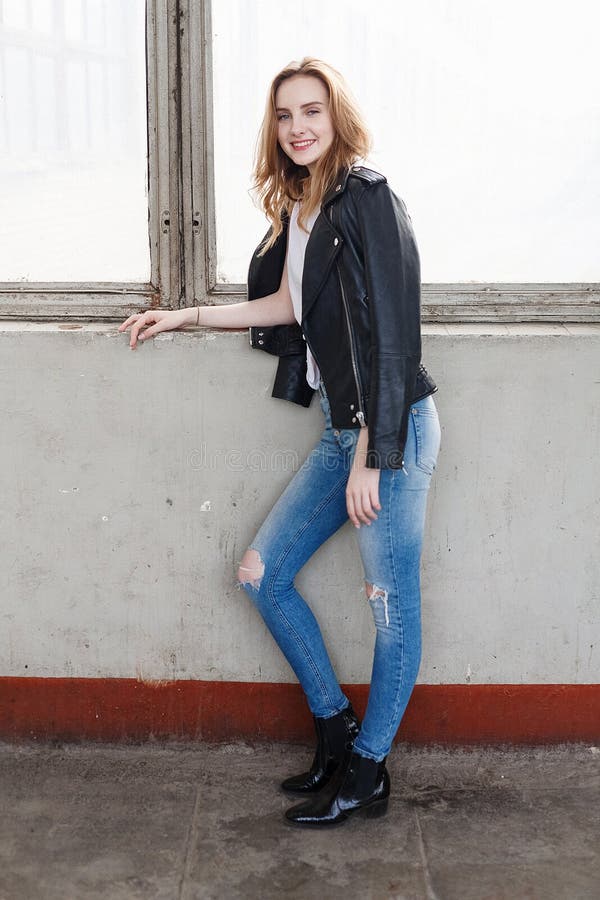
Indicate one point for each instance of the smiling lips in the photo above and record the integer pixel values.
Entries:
(302, 145)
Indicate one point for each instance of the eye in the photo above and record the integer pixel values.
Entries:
(281, 116)
(314, 110)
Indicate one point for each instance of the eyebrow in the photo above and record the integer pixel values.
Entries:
(304, 105)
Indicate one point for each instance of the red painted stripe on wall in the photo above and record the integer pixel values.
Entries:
(125, 709)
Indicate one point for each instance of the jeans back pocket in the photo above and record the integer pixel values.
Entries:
(428, 434)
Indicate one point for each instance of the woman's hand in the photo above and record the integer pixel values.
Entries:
(362, 489)
(155, 321)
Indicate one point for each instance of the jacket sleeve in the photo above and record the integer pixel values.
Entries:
(393, 277)
(284, 341)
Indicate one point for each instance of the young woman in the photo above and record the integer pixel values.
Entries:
(334, 292)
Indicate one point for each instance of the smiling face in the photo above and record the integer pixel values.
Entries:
(305, 129)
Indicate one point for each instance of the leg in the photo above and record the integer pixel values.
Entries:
(391, 553)
(390, 549)
(310, 510)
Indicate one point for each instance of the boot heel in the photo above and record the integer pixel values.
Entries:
(377, 809)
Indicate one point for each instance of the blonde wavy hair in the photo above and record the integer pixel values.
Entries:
(278, 181)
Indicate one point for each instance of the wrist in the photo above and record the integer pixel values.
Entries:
(360, 458)
(363, 438)
(193, 316)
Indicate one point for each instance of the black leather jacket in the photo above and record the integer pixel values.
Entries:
(361, 313)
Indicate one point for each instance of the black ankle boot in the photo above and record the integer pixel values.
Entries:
(333, 736)
(361, 786)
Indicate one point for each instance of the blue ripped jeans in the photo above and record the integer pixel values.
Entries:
(312, 508)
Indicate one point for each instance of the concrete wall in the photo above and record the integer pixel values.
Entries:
(133, 482)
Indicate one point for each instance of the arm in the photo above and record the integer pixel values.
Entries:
(362, 487)
(275, 309)
(394, 289)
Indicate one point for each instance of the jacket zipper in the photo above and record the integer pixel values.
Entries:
(360, 413)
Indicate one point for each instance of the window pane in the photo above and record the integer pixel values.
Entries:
(73, 166)
(484, 117)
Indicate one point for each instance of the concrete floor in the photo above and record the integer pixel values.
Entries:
(205, 821)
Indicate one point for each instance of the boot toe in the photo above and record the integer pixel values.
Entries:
(298, 784)
(304, 816)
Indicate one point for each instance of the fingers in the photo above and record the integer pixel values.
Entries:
(153, 321)
(352, 514)
(135, 330)
(129, 321)
(361, 507)
(362, 496)
(366, 513)
(138, 321)
(150, 332)
(374, 496)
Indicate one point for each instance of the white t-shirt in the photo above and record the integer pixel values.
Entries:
(297, 241)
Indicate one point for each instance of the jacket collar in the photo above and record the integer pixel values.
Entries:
(335, 191)
(337, 188)
(323, 246)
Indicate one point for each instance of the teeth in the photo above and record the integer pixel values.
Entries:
(302, 143)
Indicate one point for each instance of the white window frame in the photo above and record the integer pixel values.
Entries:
(115, 300)
(456, 302)
(182, 219)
